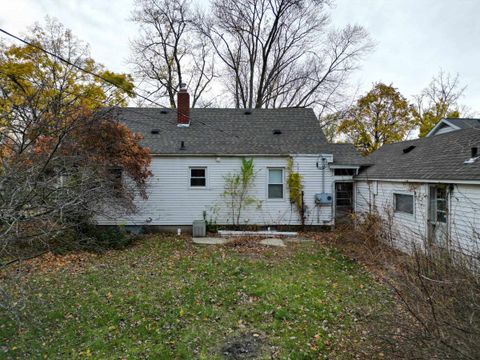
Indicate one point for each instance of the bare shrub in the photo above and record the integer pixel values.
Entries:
(437, 315)
(441, 292)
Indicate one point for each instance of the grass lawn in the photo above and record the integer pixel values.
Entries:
(165, 298)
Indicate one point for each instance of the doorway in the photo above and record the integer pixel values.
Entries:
(343, 202)
(438, 215)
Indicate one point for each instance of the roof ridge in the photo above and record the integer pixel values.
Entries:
(217, 108)
(432, 138)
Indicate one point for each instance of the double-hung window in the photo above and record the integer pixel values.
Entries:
(198, 177)
(275, 183)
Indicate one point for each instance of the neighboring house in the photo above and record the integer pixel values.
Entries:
(428, 189)
(194, 149)
(447, 125)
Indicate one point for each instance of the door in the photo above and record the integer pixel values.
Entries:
(437, 215)
(343, 201)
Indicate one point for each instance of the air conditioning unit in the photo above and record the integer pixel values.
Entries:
(323, 198)
(199, 228)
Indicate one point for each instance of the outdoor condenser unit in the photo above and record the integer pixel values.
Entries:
(199, 228)
(323, 198)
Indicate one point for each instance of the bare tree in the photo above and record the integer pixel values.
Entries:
(169, 51)
(438, 100)
(280, 53)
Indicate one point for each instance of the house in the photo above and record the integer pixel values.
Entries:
(447, 125)
(193, 150)
(427, 190)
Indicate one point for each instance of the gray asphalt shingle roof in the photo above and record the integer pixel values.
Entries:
(465, 123)
(440, 157)
(232, 132)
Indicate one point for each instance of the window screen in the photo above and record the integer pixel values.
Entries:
(198, 177)
(403, 203)
(275, 183)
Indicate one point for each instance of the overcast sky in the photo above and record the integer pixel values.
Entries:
(414, 38)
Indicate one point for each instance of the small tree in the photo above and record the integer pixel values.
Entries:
(237, 188)
(62, 151)
(295, 188)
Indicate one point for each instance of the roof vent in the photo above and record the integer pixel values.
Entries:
(277, 132)
(155, 131)
(475, 156)
(408, 149)
(248, 111)
(164, 111)
(182, 145)
(474, 151)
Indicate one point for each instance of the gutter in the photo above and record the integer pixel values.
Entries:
(218, 154)
(431, 181)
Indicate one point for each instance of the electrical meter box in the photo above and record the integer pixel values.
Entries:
(323, 198)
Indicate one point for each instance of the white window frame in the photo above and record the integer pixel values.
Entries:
(197, 177)
(395, 203)
(268, 183)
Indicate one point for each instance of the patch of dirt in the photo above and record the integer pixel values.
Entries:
(243, 346)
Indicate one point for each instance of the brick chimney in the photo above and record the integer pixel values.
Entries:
(183, 106)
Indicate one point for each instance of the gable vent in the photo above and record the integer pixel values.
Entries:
(277, 132)
(408, 149)
(155, 131)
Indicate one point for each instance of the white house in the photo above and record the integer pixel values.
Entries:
(427, 190)
(194, 149)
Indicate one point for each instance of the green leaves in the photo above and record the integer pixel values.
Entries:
(380, 117)
(295, 188)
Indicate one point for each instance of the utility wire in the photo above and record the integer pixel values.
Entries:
(29, 43)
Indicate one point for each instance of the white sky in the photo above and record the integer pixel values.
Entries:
(415, 38)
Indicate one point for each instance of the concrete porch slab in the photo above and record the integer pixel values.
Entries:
(273, 242)
(232, 233)
(209, 241)
(298, 240)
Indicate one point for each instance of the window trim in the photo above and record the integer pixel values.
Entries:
(190, 168)
(395, 203)
(268, 183)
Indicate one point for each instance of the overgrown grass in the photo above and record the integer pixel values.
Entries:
(165, 298)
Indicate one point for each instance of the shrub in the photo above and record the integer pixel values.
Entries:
(98, 239)
(438, 289)
(441, 292)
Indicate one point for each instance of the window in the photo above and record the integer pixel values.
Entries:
(275, 183)
(403, 203)
(116, 178)
(438, 204)
(198, 177)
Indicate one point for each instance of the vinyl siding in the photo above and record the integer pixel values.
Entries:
(171, 200)
(463, 217)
